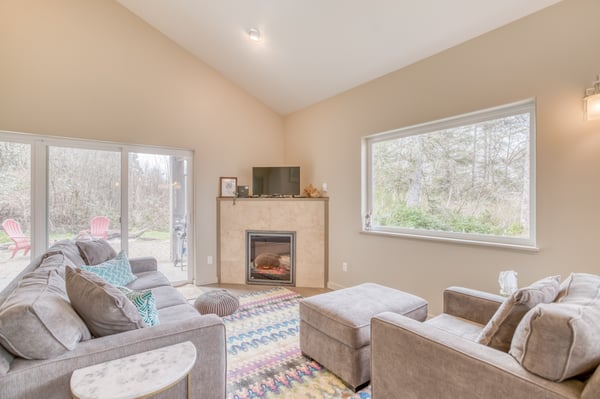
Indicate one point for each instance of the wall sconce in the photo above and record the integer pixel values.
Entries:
(591, 101)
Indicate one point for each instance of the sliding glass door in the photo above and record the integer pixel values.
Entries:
(84, 194)
(15, 209)
(137, 198)
(158, 211)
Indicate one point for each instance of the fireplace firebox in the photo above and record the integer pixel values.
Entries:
(270, 257)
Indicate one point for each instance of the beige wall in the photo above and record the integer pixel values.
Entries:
(91, 69)
(552, 56)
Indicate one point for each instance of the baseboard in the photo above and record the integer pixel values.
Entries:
(334, 286)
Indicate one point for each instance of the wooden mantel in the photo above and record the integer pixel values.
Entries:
(308, 217)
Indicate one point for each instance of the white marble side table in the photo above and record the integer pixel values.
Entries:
(136, 376)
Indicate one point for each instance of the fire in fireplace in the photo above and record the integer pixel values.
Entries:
(270, 257)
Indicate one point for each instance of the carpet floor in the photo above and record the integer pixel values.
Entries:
(263, 353)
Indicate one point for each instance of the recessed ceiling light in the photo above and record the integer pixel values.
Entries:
(254, 34)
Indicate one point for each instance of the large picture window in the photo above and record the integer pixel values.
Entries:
(468, 178)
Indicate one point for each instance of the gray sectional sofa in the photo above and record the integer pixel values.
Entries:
(49, 375)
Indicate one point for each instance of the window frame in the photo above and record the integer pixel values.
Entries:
(520, 107)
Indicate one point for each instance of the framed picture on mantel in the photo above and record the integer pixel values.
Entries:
(228, 186)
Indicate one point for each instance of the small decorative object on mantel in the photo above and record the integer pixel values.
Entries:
(312, 192)
(228, 185)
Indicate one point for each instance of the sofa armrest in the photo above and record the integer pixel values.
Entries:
(421, 361)
(143, 264)
(473, 305)
(52, 377)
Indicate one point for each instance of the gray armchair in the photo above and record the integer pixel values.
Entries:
(442, 357)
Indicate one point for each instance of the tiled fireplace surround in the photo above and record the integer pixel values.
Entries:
(308, 217)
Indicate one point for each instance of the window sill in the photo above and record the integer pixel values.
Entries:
(449, 240)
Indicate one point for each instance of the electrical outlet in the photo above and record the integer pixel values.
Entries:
(344, 266)
(209, 260)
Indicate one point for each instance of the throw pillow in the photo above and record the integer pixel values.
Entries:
(559, 341)
(95, 252)
(37, 321)
(103, 307)
(116, 271)
(145, 302)
(498, 332)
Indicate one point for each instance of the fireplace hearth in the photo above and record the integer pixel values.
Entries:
(270, 257)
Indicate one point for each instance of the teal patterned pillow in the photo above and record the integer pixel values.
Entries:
(145, 303)
(116, 271)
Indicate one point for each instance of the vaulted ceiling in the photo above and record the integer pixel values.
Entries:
(310, 50)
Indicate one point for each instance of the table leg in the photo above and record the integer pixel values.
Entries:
(189, 386)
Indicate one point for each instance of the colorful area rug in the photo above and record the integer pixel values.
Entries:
(263, 353)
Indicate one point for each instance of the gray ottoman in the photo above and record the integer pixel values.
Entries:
(335, 328)
(219, 302)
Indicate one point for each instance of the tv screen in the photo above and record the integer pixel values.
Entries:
(276, 180)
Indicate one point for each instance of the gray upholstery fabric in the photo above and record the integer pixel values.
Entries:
(143, 264)
(6, 359)
(54, 261)
(37, 321)
(351, 365)
(104, 308)
(498, 332)
(570, 328)
(335, 326)
(173, 314)
(346, 314)
(167, 296)
(458, 326)
(412, 360)
(469, 304)
(70, 250)
(579, 289)
(592, 387)
(148, 280)
(95, 252)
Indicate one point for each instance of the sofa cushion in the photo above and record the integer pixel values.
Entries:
(37, 321)
(499, 331)
(560, 340)
(168, 296)
(116, 271)
(457, 326)
(95, 252)
(69, 250)
(145, 303)
(104, 308)
(177, 313)
(54, 260)
(147, 280)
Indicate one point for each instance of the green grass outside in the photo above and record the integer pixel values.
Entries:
(156, 235)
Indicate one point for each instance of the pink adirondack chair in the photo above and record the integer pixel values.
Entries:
(99, 227)
(21, 241)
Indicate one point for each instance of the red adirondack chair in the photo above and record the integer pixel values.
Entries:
(21, 241)
(99, 227)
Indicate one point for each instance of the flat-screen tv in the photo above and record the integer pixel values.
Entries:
(276, 180)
